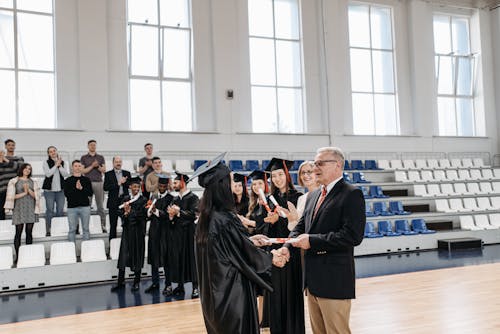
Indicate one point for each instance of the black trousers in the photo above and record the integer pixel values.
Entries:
(121, 276)
(3, 196)
(113, 222)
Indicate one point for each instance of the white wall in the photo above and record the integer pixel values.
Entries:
(92, 96)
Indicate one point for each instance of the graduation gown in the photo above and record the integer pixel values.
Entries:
(158, 232)
(284, 307)
(132, 243)
(230, 268)
(242, 207)
(181, 259)
(258, 214)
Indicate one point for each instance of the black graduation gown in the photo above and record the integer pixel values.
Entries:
(181, 259)
(284, 307)
(242, 207)
(258, 214)
(230, 268)
(158, 230)
(132, 242)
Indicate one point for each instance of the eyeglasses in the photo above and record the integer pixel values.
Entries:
(321, 163)
(306, 172)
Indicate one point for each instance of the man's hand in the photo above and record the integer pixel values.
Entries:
(302, 242)
(78, 185)
(95, 164)
(123, 180)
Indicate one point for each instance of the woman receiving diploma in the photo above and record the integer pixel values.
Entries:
(230, 266)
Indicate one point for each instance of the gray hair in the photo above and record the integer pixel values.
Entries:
(335, 151)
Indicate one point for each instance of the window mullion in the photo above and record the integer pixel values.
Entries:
(16, 65)
(160, 61)
(276, 73)
(372, 74)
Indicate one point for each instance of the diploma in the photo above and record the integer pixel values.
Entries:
(151, 206)
(282, 240)
(263, 198)
(282, 214)
(128, 202)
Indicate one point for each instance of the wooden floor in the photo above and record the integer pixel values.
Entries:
(456, 300)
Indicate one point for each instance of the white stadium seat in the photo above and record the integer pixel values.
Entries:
(168, 165)
(62, 253)
(452, 175)
(473, 188)
(483, 222)
(444, 163)
(475, 174)
(470, 204)
(487, 174)
(420, 164)
(485, 188)
(59, 227)
(127, 165)
(427, 175)
(467, 223)
(463, 174)
(396, 164)
(447, 189)
(496, 173)
(95, 224)
(183, 166)
(114, 248)
(432, 163)
(442, 205)
(401, 176)
(456, 163)
(414, 176)
(484, 203)
(433, 189)
(7, 230)
(478, 162)
(31, 256)
(39, 230)
(495, 219)
(37, 169)
(93, 250)
(6, 257)
(460, 189)
(419, 190)
(495, 203)
(439, 175)
(467, 163)
(409, 164)
(384, 164)
(496, 187)
(456, 205)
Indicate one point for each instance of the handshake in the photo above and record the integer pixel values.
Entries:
(280, 256)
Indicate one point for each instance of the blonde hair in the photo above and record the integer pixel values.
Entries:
(302, 165)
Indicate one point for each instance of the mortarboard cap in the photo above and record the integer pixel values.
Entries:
(211, 171)
(135, 180)
(257, 175)
(278, 163)
(180, 176)
(163, 180)
(237, 177)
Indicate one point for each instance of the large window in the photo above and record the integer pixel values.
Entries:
(160, 54)
(275, 66)
(373, 84)
(27, 78)
(455, 76)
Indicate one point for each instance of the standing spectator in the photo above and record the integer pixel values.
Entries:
(78, 191)
(94, 167)
(152, 179)
(332, 224)
(55, 173)
(145, 166)
(23, 199)
(116, 183)
(9, 164)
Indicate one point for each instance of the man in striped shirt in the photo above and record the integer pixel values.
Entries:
(9, 164)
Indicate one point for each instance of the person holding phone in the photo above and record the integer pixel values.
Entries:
(55, 173)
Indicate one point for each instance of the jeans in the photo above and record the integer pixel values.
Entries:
(82, 212)
(53, 198)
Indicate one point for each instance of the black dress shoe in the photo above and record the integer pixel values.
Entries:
(104, 230)
(118, 287)
(135, 286)
(152, 288)
(179, 290)
(47, 234)
(196, 293)
(167, 291)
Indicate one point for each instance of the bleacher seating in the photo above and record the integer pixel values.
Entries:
(236, 165)
(409, 164)
(168, 165)
(62, 253)
(7, 230)
(183, 166)
(251, 165)
(385, 228)
(483, 222)
(484, 203)
(401, 176)
(366, 192)
(495, 219)
(420, 190)
(442, 205)
(265, 163)
(376, 192)
(39, 230)
(447, 189)
(371, 165)
(427, 175)
(396, 207)
(357, 164)
(467, 163)
(487, 174)
(380, 209)
(432, 163)
(419, 225)
(368, 210)
(114, 248)
(95, 225)
(478, 162)
(359, 177)
(463, 174)
(475, 174)
(439, 175)
(452, 175)
(93, 250)
(403, 227)
(296, 164)
(456, 163)
(31, 256)
(420, 164)
(347, 178)
(347, 166)
(470, 204)
(198, 163)
(370, 231)
(6, 257)
(444, 163)
(467, 223)
(59, 227)
(456, 205)
(384, 164)
(396, 164)
(414, 176)
(433, 190)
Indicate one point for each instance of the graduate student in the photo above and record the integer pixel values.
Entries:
(182, 215)
(240, 193)
(230, 266)
(158, 234)
(133, 215)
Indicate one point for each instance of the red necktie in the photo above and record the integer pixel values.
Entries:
(324, 191)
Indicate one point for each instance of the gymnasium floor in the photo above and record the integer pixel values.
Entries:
(92, 298)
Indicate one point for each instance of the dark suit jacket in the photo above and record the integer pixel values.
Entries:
(112, 187)
(338, 226)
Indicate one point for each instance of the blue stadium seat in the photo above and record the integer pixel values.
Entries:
(296, 164)
(346, 165)
(295, 178)
(418, 225)
(366, 192)
(370, 231)
(251, 165)
(357, 164)
(198, 163)
(236, 165)
(371, 164)
(265, 163)
(385, 228)
(347, 178)
(376, 192)
(396, 207)
(403, 227)
(368, 210)
(380, 209)
(359, 177)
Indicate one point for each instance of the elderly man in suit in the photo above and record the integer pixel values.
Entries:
(332, 224)
(116, 183)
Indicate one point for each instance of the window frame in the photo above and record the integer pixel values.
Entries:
(16, 68)
(160, 78)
